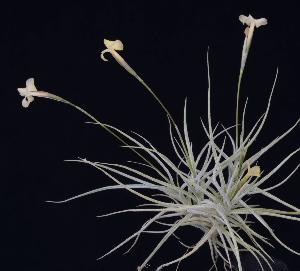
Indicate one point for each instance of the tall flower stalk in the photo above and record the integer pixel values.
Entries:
(208, 190)
(249, 31)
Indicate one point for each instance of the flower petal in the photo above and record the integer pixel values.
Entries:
(254, 171)
(23, 91)
(102, 54)
(250, 20)
(25, 103)
(114, 44)
(245, 19)
(30, 85)
(260, 22)
(30, 99)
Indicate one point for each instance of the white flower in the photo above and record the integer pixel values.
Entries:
(250, 20)
(251, 24)
(28, 92)
(112, 47)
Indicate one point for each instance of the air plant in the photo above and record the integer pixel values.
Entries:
(208, 190)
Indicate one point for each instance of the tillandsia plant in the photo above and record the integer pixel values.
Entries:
(208, 190)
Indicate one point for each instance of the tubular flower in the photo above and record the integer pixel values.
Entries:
(30, 91)
(251, 24)
(112, 47)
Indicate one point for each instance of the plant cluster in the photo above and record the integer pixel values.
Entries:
(208, 190)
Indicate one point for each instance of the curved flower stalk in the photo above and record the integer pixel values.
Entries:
(208, 189)
(112, 47)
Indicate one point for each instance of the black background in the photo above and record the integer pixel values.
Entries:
(166, 43)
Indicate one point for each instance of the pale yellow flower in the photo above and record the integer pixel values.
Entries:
(112, 47)
(251, 24)
(30, 91)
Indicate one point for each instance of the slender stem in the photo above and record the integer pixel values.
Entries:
(97, 122)
(104, 126)
(172, 121)
(156, 98)
(237, 110)
(130, 70)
